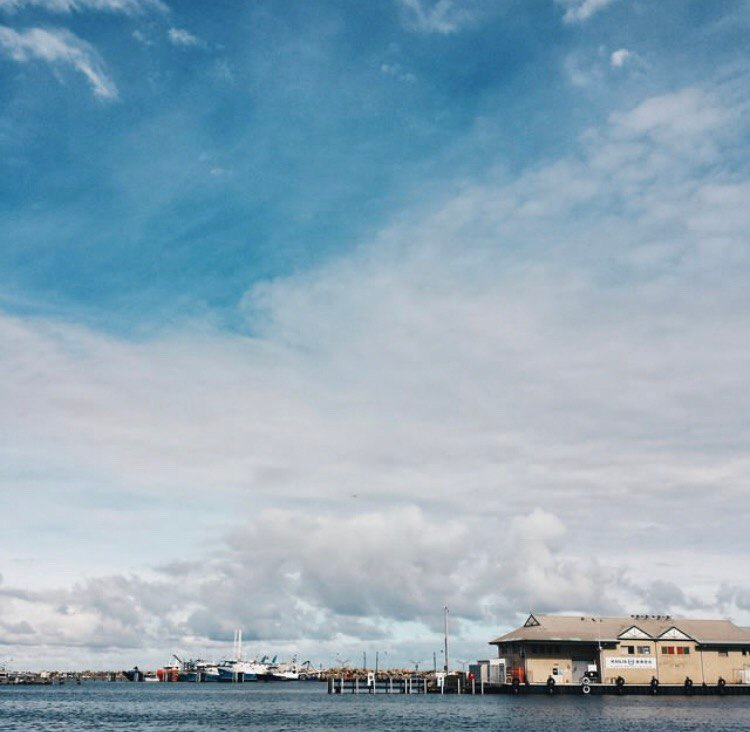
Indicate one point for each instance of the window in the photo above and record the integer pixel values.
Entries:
(686, 651)
(644, 650)
(668, 650)
(630, 650)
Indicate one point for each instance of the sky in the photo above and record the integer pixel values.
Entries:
(317, 317)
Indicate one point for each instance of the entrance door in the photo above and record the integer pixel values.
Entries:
(579, 670)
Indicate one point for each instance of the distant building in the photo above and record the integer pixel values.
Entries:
(638, 648)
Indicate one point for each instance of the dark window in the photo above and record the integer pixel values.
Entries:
(630, 650)
(723, 652)
(686, 650)
(644, 650)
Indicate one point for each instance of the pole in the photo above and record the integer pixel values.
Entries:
(446, 611)
(434, 661)
(364, 660)
(377, 654)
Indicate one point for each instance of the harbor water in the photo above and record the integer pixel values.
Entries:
(275, 707)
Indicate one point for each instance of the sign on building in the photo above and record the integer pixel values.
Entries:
(629, 662)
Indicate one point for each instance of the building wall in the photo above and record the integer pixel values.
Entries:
(728, 666)
(675, 667)
(540, 668)
(644, 659)
(670, 661)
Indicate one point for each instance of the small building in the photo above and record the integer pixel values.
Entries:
(638, 648)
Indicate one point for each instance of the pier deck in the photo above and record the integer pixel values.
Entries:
(458, 685)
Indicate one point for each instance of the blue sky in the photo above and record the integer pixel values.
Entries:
(414, 277)
(285, 133)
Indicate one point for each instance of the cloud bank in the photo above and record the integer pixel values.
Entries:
(530, 394)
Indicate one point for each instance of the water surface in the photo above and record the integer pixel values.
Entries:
(307, 706)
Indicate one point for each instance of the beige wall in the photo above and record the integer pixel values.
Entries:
(675, 668)
(539, 669)
(701, 666)
(631, 675)
(729, 667)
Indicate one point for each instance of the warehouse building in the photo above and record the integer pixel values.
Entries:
(635, 649)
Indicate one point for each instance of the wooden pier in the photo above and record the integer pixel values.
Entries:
(407, 684)
(415, 684)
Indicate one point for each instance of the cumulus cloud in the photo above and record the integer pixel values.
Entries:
(181, 37)
(531, 393)
(317, 578)
(129, 7)
(60, 48)
(579, 11)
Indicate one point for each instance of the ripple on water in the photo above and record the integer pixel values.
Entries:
(307, 706)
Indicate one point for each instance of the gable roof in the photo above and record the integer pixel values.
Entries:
(595, 629)
(634, 633)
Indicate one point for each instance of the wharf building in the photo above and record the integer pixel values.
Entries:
(631, 650)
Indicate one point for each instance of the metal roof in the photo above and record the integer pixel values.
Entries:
(592, 629)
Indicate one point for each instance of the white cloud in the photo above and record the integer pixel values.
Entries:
(397, 72)
(579, 11)
(619, 57)
(129, 7)
(527, 395)
(317, 578)
(59, 48)
(181, 37)
(438, 16)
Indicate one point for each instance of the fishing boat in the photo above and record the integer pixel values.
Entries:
(236, 669)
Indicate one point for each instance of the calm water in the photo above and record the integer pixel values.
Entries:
(306, 706)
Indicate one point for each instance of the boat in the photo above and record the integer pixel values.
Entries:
(291, 671)
(236, 669)
(135, 674)
(191, 670)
